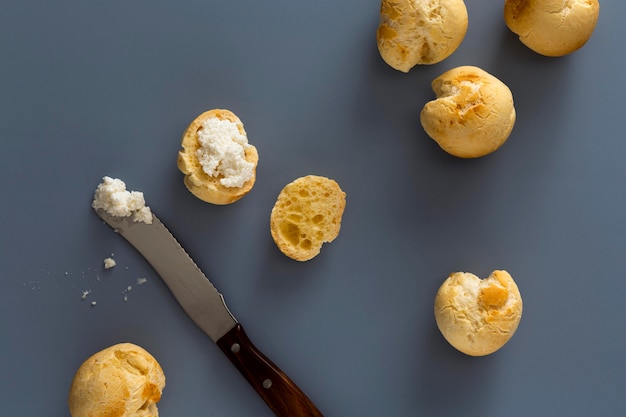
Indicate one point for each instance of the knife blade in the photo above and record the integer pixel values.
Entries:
(207, 308)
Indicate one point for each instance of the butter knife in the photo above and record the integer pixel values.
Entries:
(206, 307)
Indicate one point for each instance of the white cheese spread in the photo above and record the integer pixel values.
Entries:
(112, 196)
(222, 152)
(109, 263)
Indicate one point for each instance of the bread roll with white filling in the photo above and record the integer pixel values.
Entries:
(218, 162)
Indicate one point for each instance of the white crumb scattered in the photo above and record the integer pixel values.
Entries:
(93, 303)
(111, 196)
(141, 281)
(125, 292)
(84, 294)
(222, 152)
(109, 263)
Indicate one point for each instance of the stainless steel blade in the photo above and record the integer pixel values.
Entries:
(195, 293)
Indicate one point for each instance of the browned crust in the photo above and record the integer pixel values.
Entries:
(420, 32)
(552, 27)
(123, 380)
(477, 316)
(473, 114)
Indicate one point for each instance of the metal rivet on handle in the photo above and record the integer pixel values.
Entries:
(267, 384)
(235, 348)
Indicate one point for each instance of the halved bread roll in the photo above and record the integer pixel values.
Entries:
(218, 162)
(123, 380)
(307, 213)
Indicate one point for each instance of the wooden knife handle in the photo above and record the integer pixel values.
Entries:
(273, 385)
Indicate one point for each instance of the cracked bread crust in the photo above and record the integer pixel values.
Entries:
(307, 214)
(413, 32)
(198, 182)
(478, 316)
(473, 114)
(552, 27)
(123, 380)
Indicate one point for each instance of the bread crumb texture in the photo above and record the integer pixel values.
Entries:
(218, 162)
(123, 380)
(419, 32)
(552, 27)
(478, 316)
(473, 114)
(112, 197)
(307, 214)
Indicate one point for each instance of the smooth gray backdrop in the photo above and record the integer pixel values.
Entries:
(94, 88)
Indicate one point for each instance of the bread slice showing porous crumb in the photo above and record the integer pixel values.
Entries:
(307, 214)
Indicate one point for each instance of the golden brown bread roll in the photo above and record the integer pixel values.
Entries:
(123, 380)
(218, 162)
(307, 213)
(477, 316)
(413, 32)
(552, 27)
(473, 114)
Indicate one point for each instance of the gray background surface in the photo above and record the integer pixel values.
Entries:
(107, 88)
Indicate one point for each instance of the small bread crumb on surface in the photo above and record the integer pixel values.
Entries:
(109, 263)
